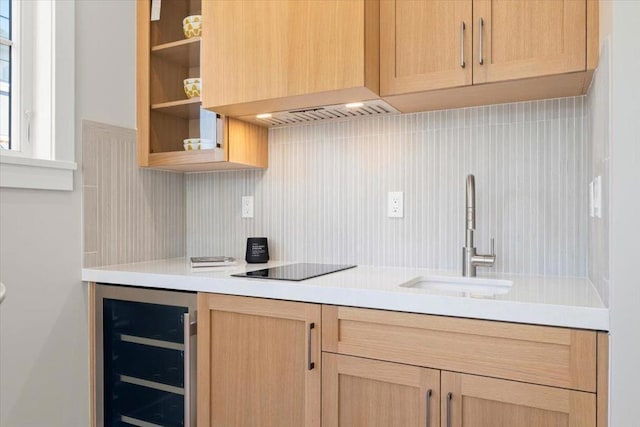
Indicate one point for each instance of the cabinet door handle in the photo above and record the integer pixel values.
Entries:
(449, 397)
(311, 365)
(428, 408)
(462, 28)
(189, 329)
(480, 31)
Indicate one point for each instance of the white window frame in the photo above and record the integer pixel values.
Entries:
(45, 118)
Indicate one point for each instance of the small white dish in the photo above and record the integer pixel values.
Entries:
(192, 144)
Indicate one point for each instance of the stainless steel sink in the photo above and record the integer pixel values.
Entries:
(460, 286)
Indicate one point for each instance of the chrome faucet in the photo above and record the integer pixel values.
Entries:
(470, 259)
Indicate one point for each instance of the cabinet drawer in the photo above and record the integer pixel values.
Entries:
(552, 356)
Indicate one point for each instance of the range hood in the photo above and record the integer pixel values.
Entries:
(376, 107)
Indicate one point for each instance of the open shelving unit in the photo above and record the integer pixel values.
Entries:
(166, 117)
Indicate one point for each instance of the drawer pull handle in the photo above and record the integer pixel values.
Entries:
(480, 31)
(449, 397)
(311, 365)
(462, 28)
(429, 408)
(189, 328)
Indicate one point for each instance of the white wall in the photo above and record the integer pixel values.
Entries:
(44, 378)
(625, 214)
(43, 321)
(106, 62)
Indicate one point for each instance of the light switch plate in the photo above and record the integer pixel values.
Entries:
(591, 197)
(597, 196)
(247, 206)
(395, 204)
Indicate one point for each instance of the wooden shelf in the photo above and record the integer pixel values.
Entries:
(184, 108)
(184, 52)
(165, 117)
(186, 160)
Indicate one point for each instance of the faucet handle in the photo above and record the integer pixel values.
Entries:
(493, 247)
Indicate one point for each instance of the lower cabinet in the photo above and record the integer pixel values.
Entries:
(261, 363)
(258, 362)
(372, 393)
(473, 401)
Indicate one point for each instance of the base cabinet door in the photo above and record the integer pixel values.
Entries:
(359, 392)
(473, 401)
(258, 362)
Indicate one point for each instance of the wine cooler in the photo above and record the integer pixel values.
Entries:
(145, 357)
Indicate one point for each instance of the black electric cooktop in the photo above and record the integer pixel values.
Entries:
(295, 272)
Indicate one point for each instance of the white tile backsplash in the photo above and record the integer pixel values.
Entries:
(324, 196)
(129, 214)
(598, 136)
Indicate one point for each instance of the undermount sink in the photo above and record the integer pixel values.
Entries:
(478, 287)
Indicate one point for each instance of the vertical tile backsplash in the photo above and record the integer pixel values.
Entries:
(129, 214)
(324, 196)
(598, 134)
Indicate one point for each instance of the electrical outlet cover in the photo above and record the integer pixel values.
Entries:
(396, 204)
(247, 206)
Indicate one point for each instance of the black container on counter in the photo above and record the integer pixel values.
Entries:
(257, 250)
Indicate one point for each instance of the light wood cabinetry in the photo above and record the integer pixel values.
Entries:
(424, 45)
(511, 51)
(258, 362)
(165, 116)
(372, 393)
(472, 401)
(552, 356)
(555, 369)
(386, 369)
(514, 40)
(265, 56)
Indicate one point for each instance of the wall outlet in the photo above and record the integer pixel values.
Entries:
(247, 206)
(395, 208)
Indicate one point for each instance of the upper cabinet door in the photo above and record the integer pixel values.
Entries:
(515, 39)
(262, 56)
(424, 45)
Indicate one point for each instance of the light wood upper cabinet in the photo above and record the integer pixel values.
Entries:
(520, 39)
(479, 402)
(258, 362)
(424, 45)
(166, 117)
(526, 49)
(372, 393)
(264, 56)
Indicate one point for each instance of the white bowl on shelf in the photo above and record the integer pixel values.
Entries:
(193, 144)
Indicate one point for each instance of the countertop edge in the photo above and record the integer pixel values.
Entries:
(592, 318)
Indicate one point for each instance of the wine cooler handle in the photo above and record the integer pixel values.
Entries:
(190, 329)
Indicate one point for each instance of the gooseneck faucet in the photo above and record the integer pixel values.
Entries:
(470, 259)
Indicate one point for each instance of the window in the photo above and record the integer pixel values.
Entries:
(6, 50)
(37, 40)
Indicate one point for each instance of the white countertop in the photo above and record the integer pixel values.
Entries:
(556, 301)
